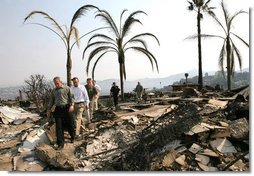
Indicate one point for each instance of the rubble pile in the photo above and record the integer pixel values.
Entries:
(19, 137)
(197, 131)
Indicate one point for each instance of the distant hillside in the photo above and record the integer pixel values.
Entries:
(9, 93)
(150, 83)
(240, 79)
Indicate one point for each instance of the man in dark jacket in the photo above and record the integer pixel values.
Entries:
(114, 91)
(61, 104)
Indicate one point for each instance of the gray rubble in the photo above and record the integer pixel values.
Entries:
(195, 131)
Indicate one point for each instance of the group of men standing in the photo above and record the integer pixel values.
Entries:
(68, 105)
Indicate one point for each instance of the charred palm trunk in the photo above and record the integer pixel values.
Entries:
(121, 65)
(68, 67)
(228, 48)
(200, 74)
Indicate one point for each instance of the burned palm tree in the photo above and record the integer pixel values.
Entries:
(66, 35)
(200, 6)
(229, 50)
(119, 44)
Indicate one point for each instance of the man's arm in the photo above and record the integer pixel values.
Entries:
(85, 96)
(50, 105)
(71, 100)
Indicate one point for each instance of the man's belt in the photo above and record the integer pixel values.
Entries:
(62, 106)
(79, 102)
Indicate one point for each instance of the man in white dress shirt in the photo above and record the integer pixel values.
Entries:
(81, 101)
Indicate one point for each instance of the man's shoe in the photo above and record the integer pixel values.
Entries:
(59, 147)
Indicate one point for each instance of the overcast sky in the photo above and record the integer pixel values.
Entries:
(32, 49)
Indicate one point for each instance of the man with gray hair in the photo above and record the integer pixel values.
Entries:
(61, 104)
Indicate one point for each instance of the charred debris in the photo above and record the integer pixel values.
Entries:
(179, 131)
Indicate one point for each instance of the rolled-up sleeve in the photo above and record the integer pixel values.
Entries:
(51, 100)
(85, 95)
(71, 97)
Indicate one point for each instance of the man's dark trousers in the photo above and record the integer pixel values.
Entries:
(63, 119)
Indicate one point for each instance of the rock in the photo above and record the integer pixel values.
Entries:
(207, 168)
(9, 144)
(223, 145)
(208, 152)
(195, 148)
(6, 162)
(202, 159)
(27, 161)
(169, 158)
(181, 160)
(51, 133)
(190, 92)
(218, 103)
(239, 129)
(221, 133)
(238, 166)
(12, 114)
(199, 129)
(33, 139)
(63, 158)
(224, 124)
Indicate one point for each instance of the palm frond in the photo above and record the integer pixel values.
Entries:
(47, 16)
(207, 2)
(63, 39)
(103, 36)
(97, 51)
(66, 30)
(241, 39)
(97, 60)
(76, 35)
(225, 13)
(97, 44)
(191, 6)
(87, 34)
(234, 16)
(219, 23)
(203, 36)
(142, 42)
(238, 54)
(136, 13)
(221, 58)
(143, 35)
(210, 12)
(130, 20)
(148, 54)
(81, 11)
(121, 18)
(127, 25)
(109, 21)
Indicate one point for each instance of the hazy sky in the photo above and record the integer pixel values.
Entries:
(31, 49)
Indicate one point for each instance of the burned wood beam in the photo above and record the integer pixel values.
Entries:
(168, 127)
(234, 161)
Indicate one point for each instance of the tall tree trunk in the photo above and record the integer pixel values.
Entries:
(200, 74)
(68, 68)
(121, 80)
(228, 48)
